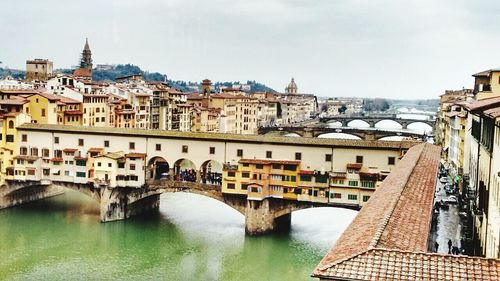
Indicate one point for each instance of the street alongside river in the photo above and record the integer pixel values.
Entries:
(191, 238)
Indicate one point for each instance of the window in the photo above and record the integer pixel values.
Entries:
(131, 145)
(11, 124)
(239, 152)
(245, 175)
(23, 151)
(80, 142)
(276, 166)
(106, 143)
(34, 151)
(368, 184)
(231, 186)
(353, 183)
(352, 197)
(110, 165)
(158, 147)
(305, 178)
(259, 166)
(244, 186)
(230, 173)
(391, 160)
(365, 198)
(211, 150)
(298, 156)
(9, 138)
(269, 154)
(45, 152)
(132, 167)
(121, 165)
(56, 139)
(288, 167)
(43, 112)
(98, 164)
(80, 174)
(328, 157)
(184, 149)
(359, 159)
(336, 195)
(24, 138)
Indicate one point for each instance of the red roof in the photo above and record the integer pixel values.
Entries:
(73, 112)
(388, 238)
(70, 149)
(83, 72)
(356, 166)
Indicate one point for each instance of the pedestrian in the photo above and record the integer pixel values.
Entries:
(436, 246)
(449, 246)
(455, 250)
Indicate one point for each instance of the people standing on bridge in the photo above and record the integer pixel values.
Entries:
(436, 246)
(449, 246)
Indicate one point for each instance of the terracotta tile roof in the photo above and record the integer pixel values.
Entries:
(388, 238)
(26, 157)
(82, 72)
(354, 166)
(70, 150)
(483, 104)
(493, 112)
(73, 112)
(383, 264)
(135, 155)
(56, 159)
(95, 149)
(12, 101)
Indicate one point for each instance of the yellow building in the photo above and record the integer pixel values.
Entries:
(487, 84)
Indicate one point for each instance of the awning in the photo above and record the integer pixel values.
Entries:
(55, 171)
(445, 149)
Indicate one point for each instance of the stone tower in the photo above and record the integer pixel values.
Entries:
(86, 61)
(206, 88)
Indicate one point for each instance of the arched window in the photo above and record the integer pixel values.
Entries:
(11, 124)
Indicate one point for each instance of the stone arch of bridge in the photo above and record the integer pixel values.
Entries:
(297, 206)
(236, 202)
(323, 134)
(392, 121)
(428, 124)
(185, 170)
(348, 122)
(157, 168)
(211, 172)
(285, 131)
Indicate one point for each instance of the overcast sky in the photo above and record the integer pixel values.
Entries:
(374, 48)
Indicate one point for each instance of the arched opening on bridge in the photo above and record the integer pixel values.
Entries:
(158, 169)
(358, 123)
(392, 138)
(211, 172)
(292, 135)
(309, 224)
(339, 136)
(420, 127)
(334, 124)
(185, 170)
(200, 214)
(388, 124)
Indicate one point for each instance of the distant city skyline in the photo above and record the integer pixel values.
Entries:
(384, 48)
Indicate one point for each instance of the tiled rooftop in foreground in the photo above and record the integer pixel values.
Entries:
(220, 136)
(388, 238)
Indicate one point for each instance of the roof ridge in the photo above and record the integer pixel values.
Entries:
(394, 203)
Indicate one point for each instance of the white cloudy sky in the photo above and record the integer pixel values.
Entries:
(384, 48)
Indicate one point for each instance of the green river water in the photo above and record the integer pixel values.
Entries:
(191, 238)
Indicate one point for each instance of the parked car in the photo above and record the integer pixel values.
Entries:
(444, 180)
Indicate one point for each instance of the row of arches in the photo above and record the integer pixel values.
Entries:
(383, 124)
(210, 171)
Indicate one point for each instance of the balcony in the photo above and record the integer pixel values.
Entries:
(482, 88)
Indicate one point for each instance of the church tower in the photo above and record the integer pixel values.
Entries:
(291, 88)
(86, 61)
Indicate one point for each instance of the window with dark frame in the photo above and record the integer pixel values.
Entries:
(158, 147)
(269, 154)
(391, 160)
(184, 149)
(328, 157)
(298, 156)
(80, 142)
(131, 145)
(239, 152)
(212, 150)
(106, 143)
(359, 159)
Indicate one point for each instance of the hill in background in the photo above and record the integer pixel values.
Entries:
(111, 72)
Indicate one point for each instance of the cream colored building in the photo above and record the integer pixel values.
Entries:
(38, 70)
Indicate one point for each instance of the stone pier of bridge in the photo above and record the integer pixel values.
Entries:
(261, 216)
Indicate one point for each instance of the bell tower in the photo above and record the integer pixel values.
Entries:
(86, 61)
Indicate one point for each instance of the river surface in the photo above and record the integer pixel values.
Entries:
(190, 238)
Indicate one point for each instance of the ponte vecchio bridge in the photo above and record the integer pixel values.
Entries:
(372, 120)
(264, 178)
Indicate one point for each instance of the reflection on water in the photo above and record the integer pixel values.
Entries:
(191, 238)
